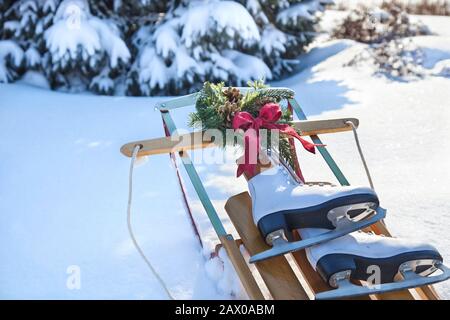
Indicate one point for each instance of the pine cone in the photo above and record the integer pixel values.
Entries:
(233, 94)
(227, 111)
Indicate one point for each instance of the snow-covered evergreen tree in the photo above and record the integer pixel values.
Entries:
(149, 47)
(196, 41)
(11, 57)
(66, 43)
(232, 41)
(4, 5)
(287, 27)
(84, 48)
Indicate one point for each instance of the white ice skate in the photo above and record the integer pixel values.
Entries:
(280, 204)
(384, 264)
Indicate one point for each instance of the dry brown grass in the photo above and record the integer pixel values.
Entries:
(422, 7)
(366, 25)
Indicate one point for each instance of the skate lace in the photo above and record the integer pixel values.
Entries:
(370, 233)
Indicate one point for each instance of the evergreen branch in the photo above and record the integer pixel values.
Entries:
(212, 113)
(254, 100)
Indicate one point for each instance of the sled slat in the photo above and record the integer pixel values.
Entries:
(428, 292)
(170, 144)
(241, 267)
(314, 280)
(277, 274)
(199, 140)
(315, 127)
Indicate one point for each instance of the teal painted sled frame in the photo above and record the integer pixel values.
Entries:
(189, 100)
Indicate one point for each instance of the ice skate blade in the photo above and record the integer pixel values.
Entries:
(286, 247)
(411, 280)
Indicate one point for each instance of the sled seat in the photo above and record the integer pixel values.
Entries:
(278, 275)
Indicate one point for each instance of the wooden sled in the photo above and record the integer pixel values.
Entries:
(285, 277)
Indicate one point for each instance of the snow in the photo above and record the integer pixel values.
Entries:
(442, 68)
(102, 83)
(10, 52)
(272, 40)
(64, 182)
(247, 67)
(29, 12)
(35, 78)
(64, 193)
(225, 16)
(170, 56)
(32, 57)
(154, 73)
(12, 26)
(75, 28)
(253, 6)
(434, 23)
(301, 10)
(434, 49)
(166, 40)
(117, 4)
(49, 6)
(304, 10)
(28, 5)
(111, 42)
(255, 9)
(152, 69)
(221, 271)
(76, 45)
(185, 65)
(239, 66)
(62, 38)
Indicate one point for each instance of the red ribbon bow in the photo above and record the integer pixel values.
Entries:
(269, 114)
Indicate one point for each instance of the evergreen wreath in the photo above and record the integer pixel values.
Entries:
(216, 106)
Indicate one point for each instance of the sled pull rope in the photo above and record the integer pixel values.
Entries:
(361, 154)
(130, 229)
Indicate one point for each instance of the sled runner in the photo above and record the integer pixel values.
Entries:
(289, 276)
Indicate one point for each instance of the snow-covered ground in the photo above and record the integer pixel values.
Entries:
(63, 183)
(63, 198)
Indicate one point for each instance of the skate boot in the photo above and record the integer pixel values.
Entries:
(385, 264)
(280, 204)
